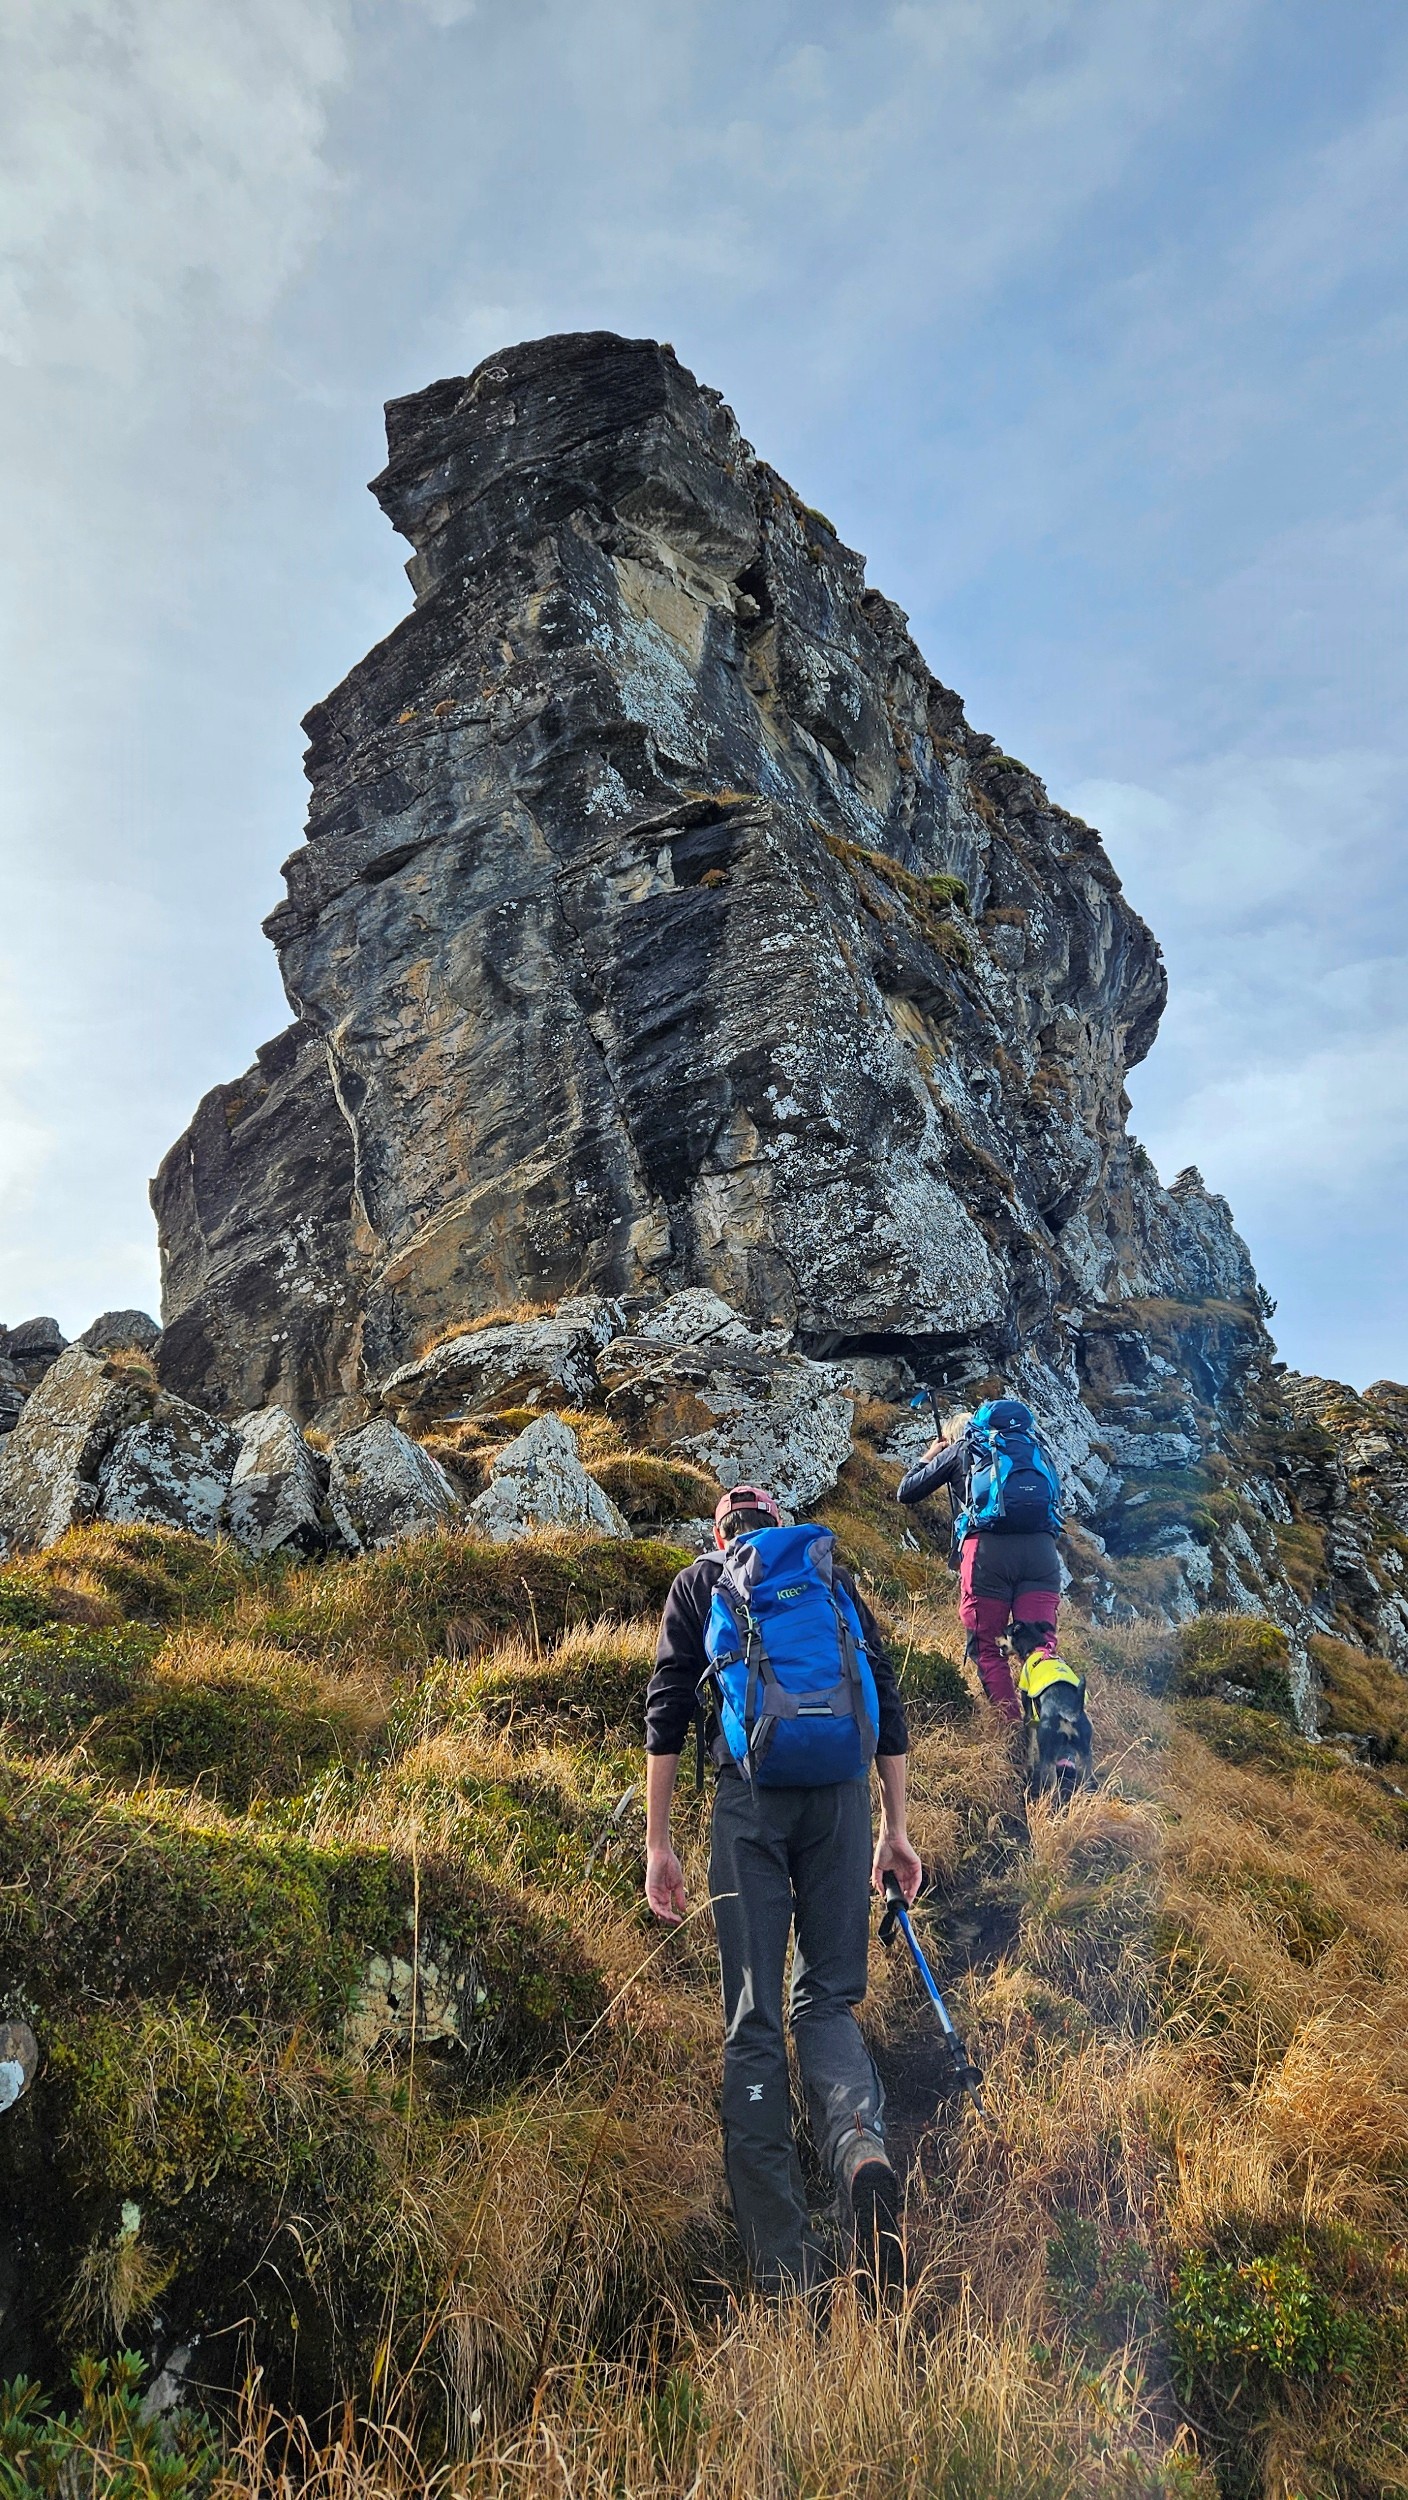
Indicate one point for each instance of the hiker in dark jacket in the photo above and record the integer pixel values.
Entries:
(782, 1858)
(1002, 1578)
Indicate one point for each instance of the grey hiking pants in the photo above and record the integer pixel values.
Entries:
(785, 1857)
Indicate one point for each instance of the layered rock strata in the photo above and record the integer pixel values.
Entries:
(664, 930)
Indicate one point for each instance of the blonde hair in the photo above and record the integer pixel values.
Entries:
(956, 1425)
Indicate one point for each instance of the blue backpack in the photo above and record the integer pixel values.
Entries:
(788, 1674)
(1012, 1485)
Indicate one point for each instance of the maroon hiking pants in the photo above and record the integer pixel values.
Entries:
(1002, 1580)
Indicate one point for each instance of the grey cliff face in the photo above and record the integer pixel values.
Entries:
(624, 943)
(664, 939)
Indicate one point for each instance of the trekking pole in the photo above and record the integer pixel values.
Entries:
(966, 2075)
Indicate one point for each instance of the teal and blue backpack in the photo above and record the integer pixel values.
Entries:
(1012, 1485)
(788, 1675)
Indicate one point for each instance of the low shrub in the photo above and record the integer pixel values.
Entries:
(108, 2445)
(1241, 2325)
(1101, 2279)
(930, 1678)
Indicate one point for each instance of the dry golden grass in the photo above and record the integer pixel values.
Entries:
(1188, 1990)
(508, 1313)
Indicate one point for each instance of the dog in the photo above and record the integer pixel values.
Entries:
(1059, 1736)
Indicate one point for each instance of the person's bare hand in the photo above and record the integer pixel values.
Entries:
(664, 1884)
(894, 1851)
(934, 1450)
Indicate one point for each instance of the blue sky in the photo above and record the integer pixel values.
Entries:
(1085, 319)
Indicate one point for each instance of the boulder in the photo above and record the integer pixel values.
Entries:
(49, 1463)
(14, 1389)
(508, 1363)
(171, 1470)
(34, 1341)
(276, 1500)
(26, 1354)
(114, 1329)
(383, 1486)
(538, 1481)
(749, 1416)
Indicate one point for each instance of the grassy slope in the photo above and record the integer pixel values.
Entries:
(1170, 2265)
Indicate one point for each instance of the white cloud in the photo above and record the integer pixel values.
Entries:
(158, 159)
(1282, 1066)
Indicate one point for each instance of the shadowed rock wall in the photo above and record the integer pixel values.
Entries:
(623, 944)
(662, 926)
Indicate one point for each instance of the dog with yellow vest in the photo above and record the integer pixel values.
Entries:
(1051, 1695)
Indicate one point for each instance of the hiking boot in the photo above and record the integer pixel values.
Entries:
(871, 2190)
(19, 2061)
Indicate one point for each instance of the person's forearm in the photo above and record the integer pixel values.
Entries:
(889, 1768)
(661, 1770)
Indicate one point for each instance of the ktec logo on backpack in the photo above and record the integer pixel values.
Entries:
(1012, 1485)
(788, 1674)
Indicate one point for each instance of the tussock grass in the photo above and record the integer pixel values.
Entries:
(1170, 2264)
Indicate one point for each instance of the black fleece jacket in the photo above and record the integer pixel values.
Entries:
(680, 1661)
(949, 1468)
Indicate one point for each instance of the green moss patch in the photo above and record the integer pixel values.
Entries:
(57, 1680)
(106, 1901)
(239, 1734)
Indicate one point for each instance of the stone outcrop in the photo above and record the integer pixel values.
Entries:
(51, 1461)
(661, 922)
(736, 1400)
(172, 1469)
(277, 1496)
(665, 937)
(260, 1242)
(538, 1481)
(383, 1486)
(112, 1331)
(510, 1363)
(26, 1354)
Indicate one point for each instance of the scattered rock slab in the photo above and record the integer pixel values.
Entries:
(49, 1463)
(749, 1416)
(695, 1536)
(436, 1999)
(171, 1470)
(538, 1481)
(114, 1329)
(383, 1486)
(277, 1499)
(508, 1363)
